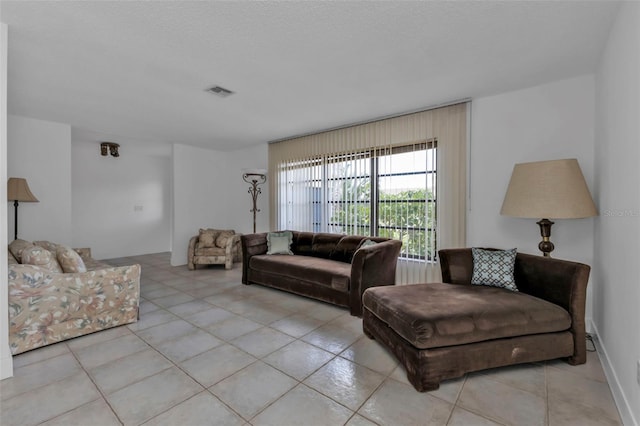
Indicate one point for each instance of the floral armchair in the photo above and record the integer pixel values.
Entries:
(214, 247)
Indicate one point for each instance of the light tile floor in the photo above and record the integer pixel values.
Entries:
(211, 351)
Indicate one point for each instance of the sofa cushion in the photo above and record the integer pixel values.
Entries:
(209, 251)
(17, 246)
(325, 272)
(38, 256)
(70, 260)
(207, 237)
(494, 268)
(324, 244)
(52, 247)
(437, 315)
(302, 243)
(223, 238)
(346, 247)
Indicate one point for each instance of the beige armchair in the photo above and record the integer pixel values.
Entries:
(214, 247)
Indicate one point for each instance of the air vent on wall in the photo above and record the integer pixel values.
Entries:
(220, 91)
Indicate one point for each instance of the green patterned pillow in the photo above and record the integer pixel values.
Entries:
(494, 268)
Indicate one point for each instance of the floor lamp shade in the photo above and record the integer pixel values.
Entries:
(546, 190)
(18, 191)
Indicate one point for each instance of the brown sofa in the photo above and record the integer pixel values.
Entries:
(444, 330)
(328, 267)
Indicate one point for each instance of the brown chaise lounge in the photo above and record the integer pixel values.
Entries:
(440, 331)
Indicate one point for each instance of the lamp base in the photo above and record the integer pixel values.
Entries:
(545, 246)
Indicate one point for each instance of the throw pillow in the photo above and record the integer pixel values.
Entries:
(223, 238)
(367, 243)
(52, 247)
(17, 247)
(494, 268)
(279, 242)
(70, 260)
(208, 237)
(38, 256)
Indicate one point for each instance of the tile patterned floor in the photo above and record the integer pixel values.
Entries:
(211, 351)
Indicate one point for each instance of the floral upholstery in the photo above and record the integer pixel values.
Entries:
(70, 260)
(47, 307)
(214, 247)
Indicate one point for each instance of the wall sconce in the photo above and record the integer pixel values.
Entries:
(107, 148)
(254, 177)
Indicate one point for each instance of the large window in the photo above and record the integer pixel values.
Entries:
(402, 177)
(387, 192)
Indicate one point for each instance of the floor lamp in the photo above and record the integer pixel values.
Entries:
(546, 190)
(18, 190)
(255, 178)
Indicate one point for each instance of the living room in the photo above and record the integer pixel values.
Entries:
(164, 187)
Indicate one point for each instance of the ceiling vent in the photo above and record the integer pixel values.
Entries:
(220, 91)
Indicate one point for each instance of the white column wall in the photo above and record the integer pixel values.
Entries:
(200, 189)
(121, 206)
(6, 362)
(40, 151)
(546, 122)
(209, 192)
(617, 244)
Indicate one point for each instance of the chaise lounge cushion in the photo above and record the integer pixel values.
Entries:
(319, 271)
(438, 315)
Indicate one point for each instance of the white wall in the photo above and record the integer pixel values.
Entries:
(617, 250)
(199, 195)
(546, 122)
(240, 216)
(40, 151)
(6, 362)
(121, 206)
(209, 193)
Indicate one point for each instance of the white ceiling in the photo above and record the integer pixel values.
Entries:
(139, 70)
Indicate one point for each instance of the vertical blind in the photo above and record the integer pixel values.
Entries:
(403, 177)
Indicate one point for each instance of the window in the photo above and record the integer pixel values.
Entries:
(387, 192)
(379, 178)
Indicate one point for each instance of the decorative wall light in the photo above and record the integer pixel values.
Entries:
(254, 177)
(107, 148)
(18, 190)
(547, 190)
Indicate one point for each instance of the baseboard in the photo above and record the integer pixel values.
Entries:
(6, 365)
(626, 415)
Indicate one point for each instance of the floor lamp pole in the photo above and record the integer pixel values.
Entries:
(15, 223)
(254, 179)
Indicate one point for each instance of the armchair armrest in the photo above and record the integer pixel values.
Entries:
(252, 244)
(191, 252)
(372, 266)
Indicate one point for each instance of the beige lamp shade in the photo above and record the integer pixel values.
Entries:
(18, 190)
(548, 189)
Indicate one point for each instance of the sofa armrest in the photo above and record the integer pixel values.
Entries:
(252, 244)
(372, 266)
(563, 283)
(456, 265)
(46, 306)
